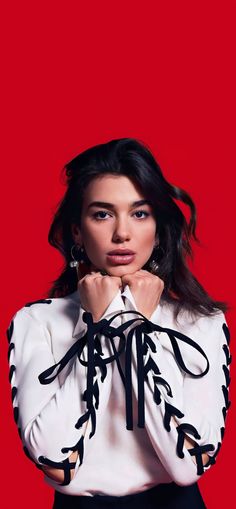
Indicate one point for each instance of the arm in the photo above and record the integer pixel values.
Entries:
(44, 414)
(185, 416)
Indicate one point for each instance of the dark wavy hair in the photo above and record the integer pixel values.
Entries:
(132, 158)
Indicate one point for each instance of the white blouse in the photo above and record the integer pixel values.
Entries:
(124, 395)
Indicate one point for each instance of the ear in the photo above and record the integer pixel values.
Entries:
(76, 234)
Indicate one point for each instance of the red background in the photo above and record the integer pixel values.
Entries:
(77, 74)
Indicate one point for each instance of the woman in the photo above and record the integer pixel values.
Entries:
(120, 378)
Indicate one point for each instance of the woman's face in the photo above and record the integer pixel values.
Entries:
(117, 222)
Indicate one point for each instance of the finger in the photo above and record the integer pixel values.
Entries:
(94, 273)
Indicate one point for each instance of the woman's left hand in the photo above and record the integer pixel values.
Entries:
(146, 289)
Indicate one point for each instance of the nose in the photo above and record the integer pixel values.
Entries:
(122, 231)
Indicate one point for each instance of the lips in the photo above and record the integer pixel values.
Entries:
(121, 252)
(120, 257)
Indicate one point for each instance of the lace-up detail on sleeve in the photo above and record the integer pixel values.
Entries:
(198, 408)
(43, 415)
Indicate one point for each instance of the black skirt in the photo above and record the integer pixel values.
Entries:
(162, 496)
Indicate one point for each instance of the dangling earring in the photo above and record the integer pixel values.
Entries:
(76, 262)
(153, 265)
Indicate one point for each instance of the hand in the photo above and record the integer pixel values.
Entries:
(97, 291)
(146, 289)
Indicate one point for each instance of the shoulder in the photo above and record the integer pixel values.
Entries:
(47, 311)
(208, 332)
(190, 322)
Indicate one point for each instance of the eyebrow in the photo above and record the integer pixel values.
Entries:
(111, 206)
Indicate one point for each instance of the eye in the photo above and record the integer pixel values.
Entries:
(99, 218)
(142, 212)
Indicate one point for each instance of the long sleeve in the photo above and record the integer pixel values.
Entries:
(56, 402)
(193, 403)
(46, 415)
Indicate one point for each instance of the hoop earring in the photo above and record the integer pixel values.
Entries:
(75, 262)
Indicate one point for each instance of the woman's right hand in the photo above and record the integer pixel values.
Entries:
(97, 291)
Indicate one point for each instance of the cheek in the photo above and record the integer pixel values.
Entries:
(93, 239)
(89, 232)
(147, 236)
(97, 234)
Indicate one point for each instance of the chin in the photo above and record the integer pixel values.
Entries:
(121, 270)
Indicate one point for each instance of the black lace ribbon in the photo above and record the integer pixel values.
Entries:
(95, 358)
